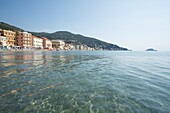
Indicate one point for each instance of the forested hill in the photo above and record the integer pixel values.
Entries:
(69, 38)
(6, 26)
(79, 39)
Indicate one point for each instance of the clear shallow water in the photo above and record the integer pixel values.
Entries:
(85, 82)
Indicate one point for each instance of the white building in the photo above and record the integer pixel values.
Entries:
(72, 47)
(37, 42)
(3, 40)
(58, 44)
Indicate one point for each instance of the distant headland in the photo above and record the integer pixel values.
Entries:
(70, 40)
(151, 49)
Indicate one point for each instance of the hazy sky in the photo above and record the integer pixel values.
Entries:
(135, 24)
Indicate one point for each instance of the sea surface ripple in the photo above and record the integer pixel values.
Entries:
(84, 82)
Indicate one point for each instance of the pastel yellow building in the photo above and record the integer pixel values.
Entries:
(10, 35)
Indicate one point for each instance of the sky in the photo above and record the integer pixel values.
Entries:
(135, 24)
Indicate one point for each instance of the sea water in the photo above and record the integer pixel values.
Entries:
(84, 82)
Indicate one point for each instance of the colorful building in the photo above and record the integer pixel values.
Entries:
(37, 42)
(47, 44)
(10, 37)
(24, 39)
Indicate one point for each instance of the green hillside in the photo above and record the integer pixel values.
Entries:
(79, 39)
(9, 27)
(69, 38)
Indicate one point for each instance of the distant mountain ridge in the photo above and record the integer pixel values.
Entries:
(69, 37)
(79, 39)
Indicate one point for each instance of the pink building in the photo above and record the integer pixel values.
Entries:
(47, 44)
(24, 39)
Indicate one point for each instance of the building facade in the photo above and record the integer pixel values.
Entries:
(10, 37)
(24, 39)
(58, 44)
(37, 42)
(47, 44)
(2, 40)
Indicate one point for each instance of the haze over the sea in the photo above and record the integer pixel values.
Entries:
(135, 24)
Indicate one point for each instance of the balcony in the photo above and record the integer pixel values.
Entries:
(10, 40)
(27, 40)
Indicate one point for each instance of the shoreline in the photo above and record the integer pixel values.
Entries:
(21, 50)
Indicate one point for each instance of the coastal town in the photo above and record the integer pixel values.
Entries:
(18, 41)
